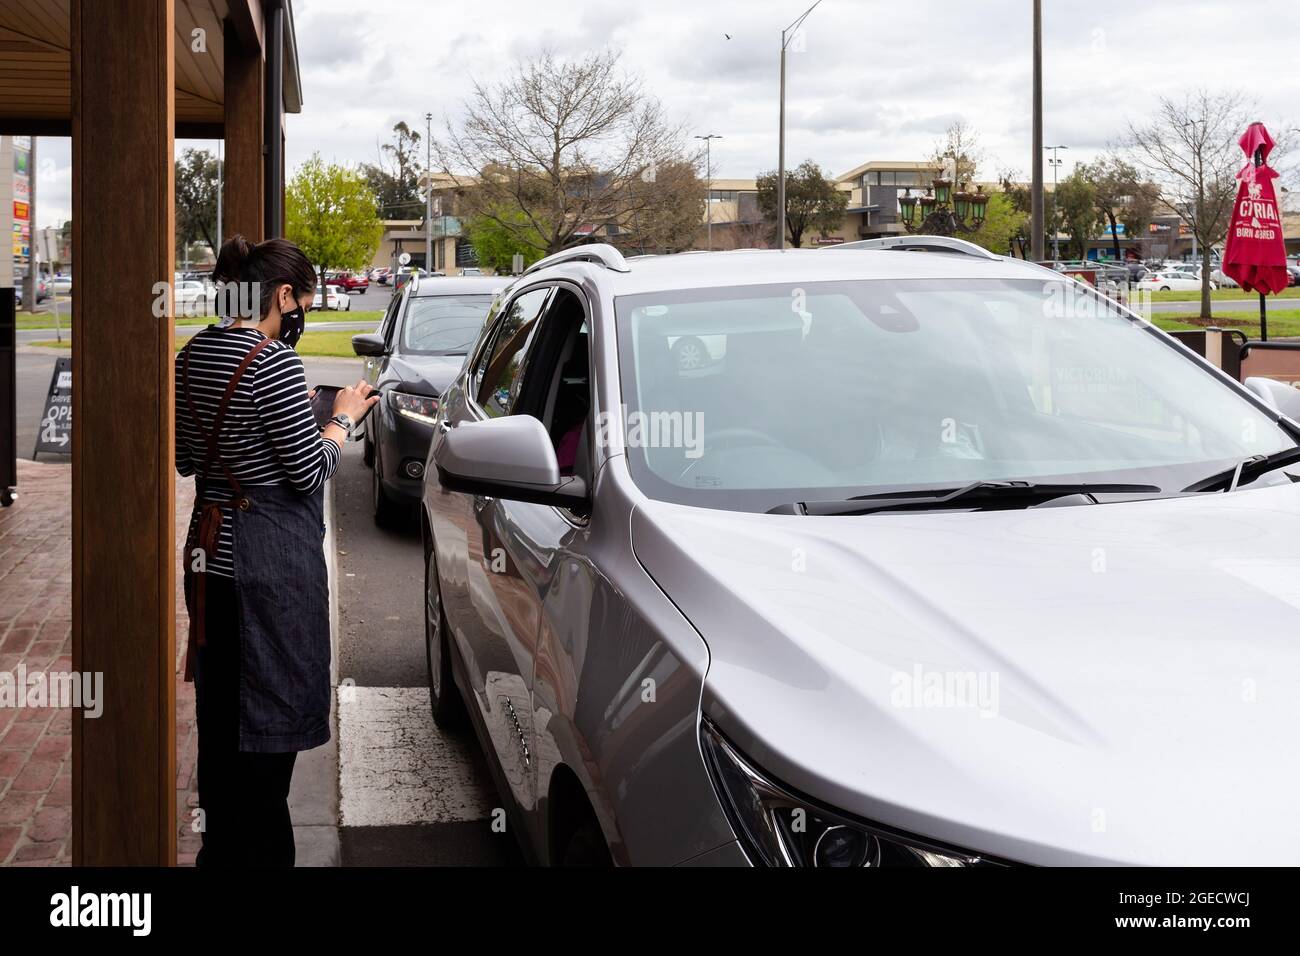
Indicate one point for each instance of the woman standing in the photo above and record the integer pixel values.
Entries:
(255, 575)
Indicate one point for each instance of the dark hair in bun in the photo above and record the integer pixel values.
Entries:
(271, 264)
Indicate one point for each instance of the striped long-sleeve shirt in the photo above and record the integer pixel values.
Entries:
(269, 436)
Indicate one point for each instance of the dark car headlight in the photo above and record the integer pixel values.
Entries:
(779, 828)
(421, 408)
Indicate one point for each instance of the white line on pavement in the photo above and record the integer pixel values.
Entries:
(395, 767)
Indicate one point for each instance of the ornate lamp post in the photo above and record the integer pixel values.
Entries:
(941, 212)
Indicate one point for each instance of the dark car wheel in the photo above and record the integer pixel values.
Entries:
(388, 513)
(586, 847)
(445, 702)
(367, 450)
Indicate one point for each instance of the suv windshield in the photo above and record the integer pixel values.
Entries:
(745, 398)
(443, 324)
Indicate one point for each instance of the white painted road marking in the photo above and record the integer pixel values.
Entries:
(396, 767)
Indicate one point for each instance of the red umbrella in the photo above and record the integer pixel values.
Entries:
(1255, 255)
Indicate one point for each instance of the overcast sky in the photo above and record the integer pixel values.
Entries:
(873, 81)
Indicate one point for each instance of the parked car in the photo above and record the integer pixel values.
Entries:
(1222, 280)
(382, 275)
(471, 271)
(42, 288)
(335, 299)
(1172, 281)
(61, 283)
(348, 282)
(412, 357)
(195, 298)
(908, 578)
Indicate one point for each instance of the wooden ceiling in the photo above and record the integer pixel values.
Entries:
(35, 73)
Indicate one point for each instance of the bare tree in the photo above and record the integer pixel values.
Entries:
(1189, 149)
(745, 234)
(959, 152)
(565, 144)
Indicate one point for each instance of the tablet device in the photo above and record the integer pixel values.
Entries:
(322, 403)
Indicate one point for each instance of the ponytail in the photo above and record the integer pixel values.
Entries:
(270, 264)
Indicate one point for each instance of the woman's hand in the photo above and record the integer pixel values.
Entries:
(355, 400)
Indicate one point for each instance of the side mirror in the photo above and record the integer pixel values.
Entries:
(368, 343)
(510, 458)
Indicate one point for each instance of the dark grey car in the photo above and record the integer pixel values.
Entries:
(414, 355)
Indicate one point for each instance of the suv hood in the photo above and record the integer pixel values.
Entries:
(1104, 683)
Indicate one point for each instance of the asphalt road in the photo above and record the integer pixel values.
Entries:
(411, 795)
(34, 372)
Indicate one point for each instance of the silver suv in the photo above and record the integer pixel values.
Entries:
(870, 557)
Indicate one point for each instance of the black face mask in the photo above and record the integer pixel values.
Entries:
(292, 324)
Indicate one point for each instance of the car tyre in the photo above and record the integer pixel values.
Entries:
(586, 847)
(446, 705)
(387, 512)
(367, 451)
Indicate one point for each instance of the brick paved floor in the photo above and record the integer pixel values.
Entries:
(36, 631)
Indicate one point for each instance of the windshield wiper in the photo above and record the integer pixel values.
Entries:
(999, 494)
(1244, 472)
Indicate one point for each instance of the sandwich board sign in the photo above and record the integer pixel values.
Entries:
(55, 432)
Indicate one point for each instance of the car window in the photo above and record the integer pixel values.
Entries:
(928, 382)
(443, 324)
(516, 330)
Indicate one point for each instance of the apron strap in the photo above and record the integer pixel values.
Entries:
(208, 532)
(210, 438)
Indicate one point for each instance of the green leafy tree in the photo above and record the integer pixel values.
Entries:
(1075, 212)
(811, 201)
(395, 178)
(1122, 196)
(196, 200)
(497, 239)
(330, 214)
(1003, 221)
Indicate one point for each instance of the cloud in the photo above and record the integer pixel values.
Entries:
(872, 82)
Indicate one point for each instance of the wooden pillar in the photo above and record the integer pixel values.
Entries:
(244, 186)
(123, 486)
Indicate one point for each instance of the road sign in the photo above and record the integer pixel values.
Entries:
(404, 258)
(55, 433)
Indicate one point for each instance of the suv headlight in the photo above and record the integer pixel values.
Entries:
(779, 828)
(422, 408)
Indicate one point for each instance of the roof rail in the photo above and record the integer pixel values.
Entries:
(601, 253)
(921, 244)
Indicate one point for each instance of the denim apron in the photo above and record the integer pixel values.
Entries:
(282, 588)
(284, 624)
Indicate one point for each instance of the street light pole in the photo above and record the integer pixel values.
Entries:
(1055, 162)
(428, 192)
(1036, 189)
(780, 166)
(708, 174)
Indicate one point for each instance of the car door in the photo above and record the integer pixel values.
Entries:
(525, 545)
(494, 621)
